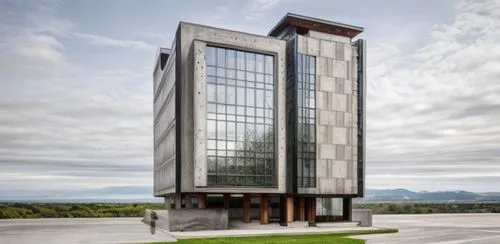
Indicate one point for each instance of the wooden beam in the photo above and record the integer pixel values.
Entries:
(246, 208)
(202, 202)
(227, 200)
(312, 211)
(302, 209)
(264, 209)
(289, 209)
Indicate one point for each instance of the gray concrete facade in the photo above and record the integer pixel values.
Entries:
(194, 41)
(336, 112)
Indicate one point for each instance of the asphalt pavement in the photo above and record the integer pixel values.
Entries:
(438, 229)
(78, 230)
(413, 229)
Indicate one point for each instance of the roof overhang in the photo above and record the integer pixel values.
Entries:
(315, 24)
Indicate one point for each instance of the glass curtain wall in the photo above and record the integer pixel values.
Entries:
(240, 118)
(306, 121)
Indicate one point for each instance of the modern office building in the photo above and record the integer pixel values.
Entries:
(269, 127)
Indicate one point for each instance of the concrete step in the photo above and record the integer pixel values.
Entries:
(343, 224)
(298, 224)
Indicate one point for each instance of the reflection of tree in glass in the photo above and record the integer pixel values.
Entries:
(256, 157)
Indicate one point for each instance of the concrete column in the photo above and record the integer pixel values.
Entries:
(188, 201)
(168, 202)
(246, 208)
(302, 209)
(178, 201)
(264, 209)
(227, 200)
(347, 209)
(202, 201)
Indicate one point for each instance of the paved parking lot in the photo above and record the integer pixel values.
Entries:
(91, 230)
(421, 229)
(438, 229)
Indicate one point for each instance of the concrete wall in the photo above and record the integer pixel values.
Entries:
(164, 128)
(193, 81)
(336, 109)
(198, 219)
(363, 216)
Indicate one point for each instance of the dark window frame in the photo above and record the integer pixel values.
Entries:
(266, 175)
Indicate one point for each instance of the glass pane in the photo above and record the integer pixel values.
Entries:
(231, 131)
(211, 144)
(250, 59)
(221, 109)
(211, 93)
(231, 73)
(240, 60)
(211, 129)
(211, 179)
(210, 56)
(240, 75)
(212, 165)
(260, 63)
(269, 65)
(221, 145)
(231, 145)
(221, 72)
(250, 97)
(240, 93)
(240, 131)
(221, 93)
(210, 71)
(250, 77)
(231, 165)
(231, 59)
(269, 99)
(221, 130)
(259, 98)
(269, 79)
(221, 57)
(211, 108)
(240, 110)
(211, 79)
(259, 77)
(231, 95)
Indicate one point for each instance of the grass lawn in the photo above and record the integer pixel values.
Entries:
(337, 238)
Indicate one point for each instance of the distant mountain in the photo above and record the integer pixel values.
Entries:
(400, 194)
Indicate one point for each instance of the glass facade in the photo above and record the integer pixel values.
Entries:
(240, 118)
(306, 121)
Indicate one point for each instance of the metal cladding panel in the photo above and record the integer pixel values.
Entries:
(361, 59)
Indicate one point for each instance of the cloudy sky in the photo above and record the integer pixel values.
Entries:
(76, 88)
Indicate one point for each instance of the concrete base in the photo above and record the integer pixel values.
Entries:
(187, 219)
(362, 216)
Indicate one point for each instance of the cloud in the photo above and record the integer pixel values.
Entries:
(438, 105)
(73, 119)
(259, 7)
(30, 39)
(106, 41)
